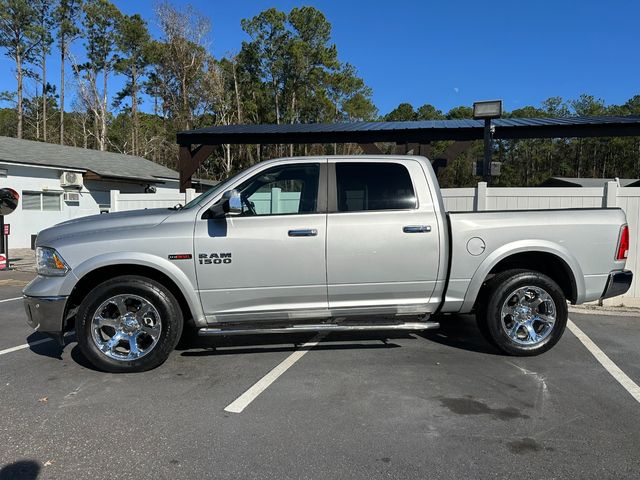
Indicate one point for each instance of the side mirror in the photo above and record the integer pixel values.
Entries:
(232, 202)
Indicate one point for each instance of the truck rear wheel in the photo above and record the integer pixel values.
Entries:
(128, 324)
(523, 313)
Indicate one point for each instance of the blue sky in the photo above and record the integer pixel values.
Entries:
(451, 53)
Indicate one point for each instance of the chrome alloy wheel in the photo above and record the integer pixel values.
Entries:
(126, 327)
(528, 315)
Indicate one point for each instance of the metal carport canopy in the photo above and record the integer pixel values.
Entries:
(197, 145)
(416, 131)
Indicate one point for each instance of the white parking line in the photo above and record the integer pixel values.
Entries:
(11, 299)
(622, 378)
(243, 401)
(26, 345)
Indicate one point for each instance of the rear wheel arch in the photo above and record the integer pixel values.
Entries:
(546, 263)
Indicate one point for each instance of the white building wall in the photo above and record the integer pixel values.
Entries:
(93, 196)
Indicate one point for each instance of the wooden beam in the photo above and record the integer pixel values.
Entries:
(189, 162)
(425, 150)
(400, 148)
(413, 148)
(370, 149)
(455, 149)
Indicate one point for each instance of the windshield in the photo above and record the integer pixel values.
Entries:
(212, 192)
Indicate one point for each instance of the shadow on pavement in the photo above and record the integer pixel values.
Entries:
(49, 349)
(459, 332)
(20, 470)
(283, 343)
(80, 359)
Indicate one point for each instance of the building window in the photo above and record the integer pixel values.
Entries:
(41, 201)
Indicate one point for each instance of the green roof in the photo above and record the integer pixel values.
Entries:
(104, 164)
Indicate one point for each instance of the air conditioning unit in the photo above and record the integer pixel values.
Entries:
(71, 180)
(73, 197)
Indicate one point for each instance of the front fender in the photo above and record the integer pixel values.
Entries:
(143, 259)
(522, 246)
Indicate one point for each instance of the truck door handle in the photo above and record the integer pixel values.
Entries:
(417, 229)
(303, 232)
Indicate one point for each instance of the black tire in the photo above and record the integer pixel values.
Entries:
(158, 296)
(498, 291)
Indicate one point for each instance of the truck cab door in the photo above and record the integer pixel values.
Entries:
(383, 249)
(269, 261)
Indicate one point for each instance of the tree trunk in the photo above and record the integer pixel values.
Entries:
(277, 99)
(293, 118)
(85, 134)
(37, 117)
(237, 92)
(63, 47)
(19, 75)
(103, 120)
(134, 111)
(44, 96)
(185, 104)
(228, 159)
(96, 128)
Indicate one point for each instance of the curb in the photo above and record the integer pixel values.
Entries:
(612, 311)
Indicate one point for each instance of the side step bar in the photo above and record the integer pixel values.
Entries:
(328, 327)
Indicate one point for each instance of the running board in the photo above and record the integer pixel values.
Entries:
(329, 327)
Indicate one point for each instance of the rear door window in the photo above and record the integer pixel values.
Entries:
(374, 186)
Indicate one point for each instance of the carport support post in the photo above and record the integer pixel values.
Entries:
(189, 161)
(486, 166)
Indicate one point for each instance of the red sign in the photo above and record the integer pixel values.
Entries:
(7, 229)
(3, 262)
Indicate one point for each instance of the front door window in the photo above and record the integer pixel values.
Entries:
(283, 190)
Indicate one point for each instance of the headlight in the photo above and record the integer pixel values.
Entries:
(49, 263)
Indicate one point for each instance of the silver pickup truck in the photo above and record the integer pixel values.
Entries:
(319, 244)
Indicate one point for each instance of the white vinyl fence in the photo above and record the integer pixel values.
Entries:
(461, 200)
(121, 202)
(535, 198)
(274, 201)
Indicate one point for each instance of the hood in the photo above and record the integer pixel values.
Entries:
(104, 222)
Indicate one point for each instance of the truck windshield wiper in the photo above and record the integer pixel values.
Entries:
(177, 206)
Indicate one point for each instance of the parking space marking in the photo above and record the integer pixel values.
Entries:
(26, 345)
(11, 299)
(243, 401)
(615, 371)
(32, 344)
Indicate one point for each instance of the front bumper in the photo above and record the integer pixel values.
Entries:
(617, 283)
(45, 314)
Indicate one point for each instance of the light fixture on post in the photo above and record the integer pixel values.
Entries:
(486, 110)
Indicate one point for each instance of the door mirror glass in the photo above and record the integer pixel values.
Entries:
(232, 202)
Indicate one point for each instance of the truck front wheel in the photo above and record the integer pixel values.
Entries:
(128, 324)
(522, 312)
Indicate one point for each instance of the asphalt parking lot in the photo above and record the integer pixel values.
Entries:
(436, 405)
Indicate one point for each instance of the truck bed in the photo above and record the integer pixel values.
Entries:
(584, 239)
